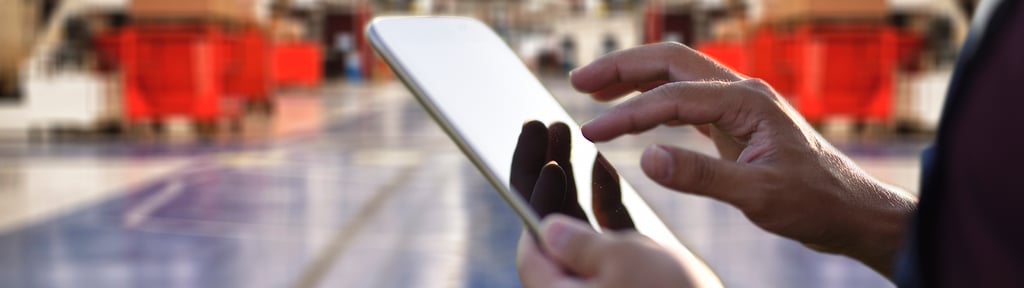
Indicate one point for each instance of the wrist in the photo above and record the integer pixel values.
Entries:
(882, 231)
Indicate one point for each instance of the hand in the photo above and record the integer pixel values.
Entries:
(577, 255)
(784, 176)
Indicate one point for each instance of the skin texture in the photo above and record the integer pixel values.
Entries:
(773, 166)
(578, 256)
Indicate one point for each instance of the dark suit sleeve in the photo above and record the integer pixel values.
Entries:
(970, 228)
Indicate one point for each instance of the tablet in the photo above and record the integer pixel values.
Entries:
(481, 93)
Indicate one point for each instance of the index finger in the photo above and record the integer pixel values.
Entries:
(668, 61)
(730, 106)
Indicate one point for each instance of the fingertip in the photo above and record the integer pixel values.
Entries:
(606, 97)
(575, 79)
(582, 79)
(586, 132)
(657, 163)
(694, 172)
(595, 130)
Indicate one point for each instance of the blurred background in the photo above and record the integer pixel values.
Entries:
(262, 143)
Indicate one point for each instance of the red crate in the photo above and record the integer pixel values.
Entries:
(768, 60)
(731, 54)
(829, 69)
(174, 70)
(108, 46)
(843, 69)
(910, 48)
(248, 68)
(296, 64)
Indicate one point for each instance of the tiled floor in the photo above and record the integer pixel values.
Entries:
(350, 186)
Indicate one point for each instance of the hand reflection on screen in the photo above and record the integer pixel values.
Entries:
(543, 175)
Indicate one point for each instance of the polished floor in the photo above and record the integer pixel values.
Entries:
(349, 186)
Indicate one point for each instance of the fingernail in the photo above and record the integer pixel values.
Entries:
(585, 129)
(657, 162)
(595, 121)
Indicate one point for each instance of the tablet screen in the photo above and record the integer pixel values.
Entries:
(482, 94)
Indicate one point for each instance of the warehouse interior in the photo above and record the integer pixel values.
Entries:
(263, 143)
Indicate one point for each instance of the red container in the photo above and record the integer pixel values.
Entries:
(828, 69)
(769, 61)
(174, 70)
(731, 54)
(296, 64)
(108, 50)
(843, 69)
(910, 47)
(248, 67)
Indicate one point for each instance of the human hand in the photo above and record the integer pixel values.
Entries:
(577, 255)
(774, 167)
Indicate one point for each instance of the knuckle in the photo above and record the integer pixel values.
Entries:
(672, 95)
(667, 94)
(672, 90)
(758, 96)
(676, 51)
(756, 84)
(758, 87)
(671, 46)
(762, 91)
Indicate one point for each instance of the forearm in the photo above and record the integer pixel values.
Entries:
(872, 215)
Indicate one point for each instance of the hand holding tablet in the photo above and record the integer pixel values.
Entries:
(481, 94)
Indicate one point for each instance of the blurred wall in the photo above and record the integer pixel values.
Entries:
(17, 31)
(589, 34)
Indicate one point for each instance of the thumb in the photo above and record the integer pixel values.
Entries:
(574, 244)
(689, 171)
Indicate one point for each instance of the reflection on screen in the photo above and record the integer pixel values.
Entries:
(470, 77)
